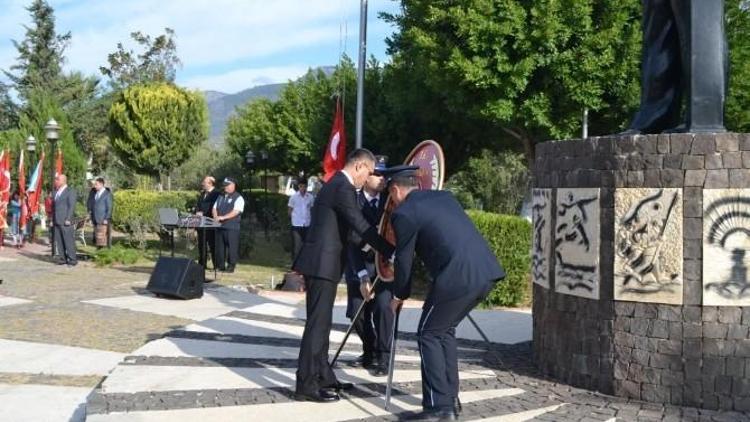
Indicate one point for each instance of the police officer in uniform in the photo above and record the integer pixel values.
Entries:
(205, 206)
(228, 211)
(375, 324)
(463, 270)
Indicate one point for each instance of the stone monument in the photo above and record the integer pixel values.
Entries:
(641, 243)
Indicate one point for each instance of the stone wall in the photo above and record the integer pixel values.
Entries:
(683, 354)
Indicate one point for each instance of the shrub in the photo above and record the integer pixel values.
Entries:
(136, 211)
(509, 238)
(116, 255)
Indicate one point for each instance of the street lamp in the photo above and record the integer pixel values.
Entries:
(52, 133)
(30, 144)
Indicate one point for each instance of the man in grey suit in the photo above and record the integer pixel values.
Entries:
(100, 211)
(64, 206)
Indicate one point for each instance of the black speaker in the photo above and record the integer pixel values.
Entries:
(182, 278)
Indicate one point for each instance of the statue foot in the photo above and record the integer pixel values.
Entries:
(677, 129)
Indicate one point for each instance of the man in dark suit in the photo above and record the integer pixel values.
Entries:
(205, 206)
(322, 261)
(684, 55)
(64, 206)
(375, 323)
(463, 270)
(100, 212)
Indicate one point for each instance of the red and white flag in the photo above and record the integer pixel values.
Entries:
(4, 188)
(22, 194)
(58, 163)
(35, 187)
(335, 155)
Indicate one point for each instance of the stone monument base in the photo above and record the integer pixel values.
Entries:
(623, 302)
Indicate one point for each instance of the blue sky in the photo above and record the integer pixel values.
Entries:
(225, 45)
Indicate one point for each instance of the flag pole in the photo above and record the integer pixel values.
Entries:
(361, 70)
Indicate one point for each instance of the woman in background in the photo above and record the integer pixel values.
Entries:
(15, 216)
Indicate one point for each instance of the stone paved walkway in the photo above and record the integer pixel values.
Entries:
(91, 344)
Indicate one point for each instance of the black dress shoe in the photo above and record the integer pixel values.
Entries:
(321, 396)
(380, 368)
(340, 386)
(364, 360)
(434, 415)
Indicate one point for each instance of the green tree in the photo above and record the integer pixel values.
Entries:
(295, 129)
(530, 68)
(8, 109)
(154, 128)
(41, 106)
(40, 54)
(738, 37)
(494, 182)
(158, 62)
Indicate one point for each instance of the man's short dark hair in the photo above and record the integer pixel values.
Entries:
(302, 182)
(100, 180)
(405, 181)
(360, 154)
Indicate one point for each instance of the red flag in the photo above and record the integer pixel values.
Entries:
(59, 163)
(35, 187)
(22, 194)
(4, 176)
(335, 156)
(4, 189)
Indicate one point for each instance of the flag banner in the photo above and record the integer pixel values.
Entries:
(59, 163)
(35, 187)
(4, 188)
(22, 194)
(335, 155)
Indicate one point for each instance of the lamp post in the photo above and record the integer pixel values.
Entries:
(264, 157)
(52, 133)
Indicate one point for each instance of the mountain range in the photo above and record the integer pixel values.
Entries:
(221, 106)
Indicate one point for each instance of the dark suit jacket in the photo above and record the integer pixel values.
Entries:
(334, 214)
(206, 202)
(357, 259)
(433, 224)
(101, 209)
(65, 207)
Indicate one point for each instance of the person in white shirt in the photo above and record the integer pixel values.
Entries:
(300, 204)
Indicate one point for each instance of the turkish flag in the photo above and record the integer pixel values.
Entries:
(35, 187)
(22, 194)
(335, 155)
(4, 189)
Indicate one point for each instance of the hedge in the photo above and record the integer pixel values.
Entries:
(135, 211)
(509, 238)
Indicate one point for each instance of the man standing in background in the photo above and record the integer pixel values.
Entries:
(205, 206)
(64, 206)
(300, 204)
(228, 211)
(375, 323)
(100, 211)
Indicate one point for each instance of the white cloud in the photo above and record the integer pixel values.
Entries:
(237, 80)
(230, 35)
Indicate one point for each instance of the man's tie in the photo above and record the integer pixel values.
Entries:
(374, 203)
